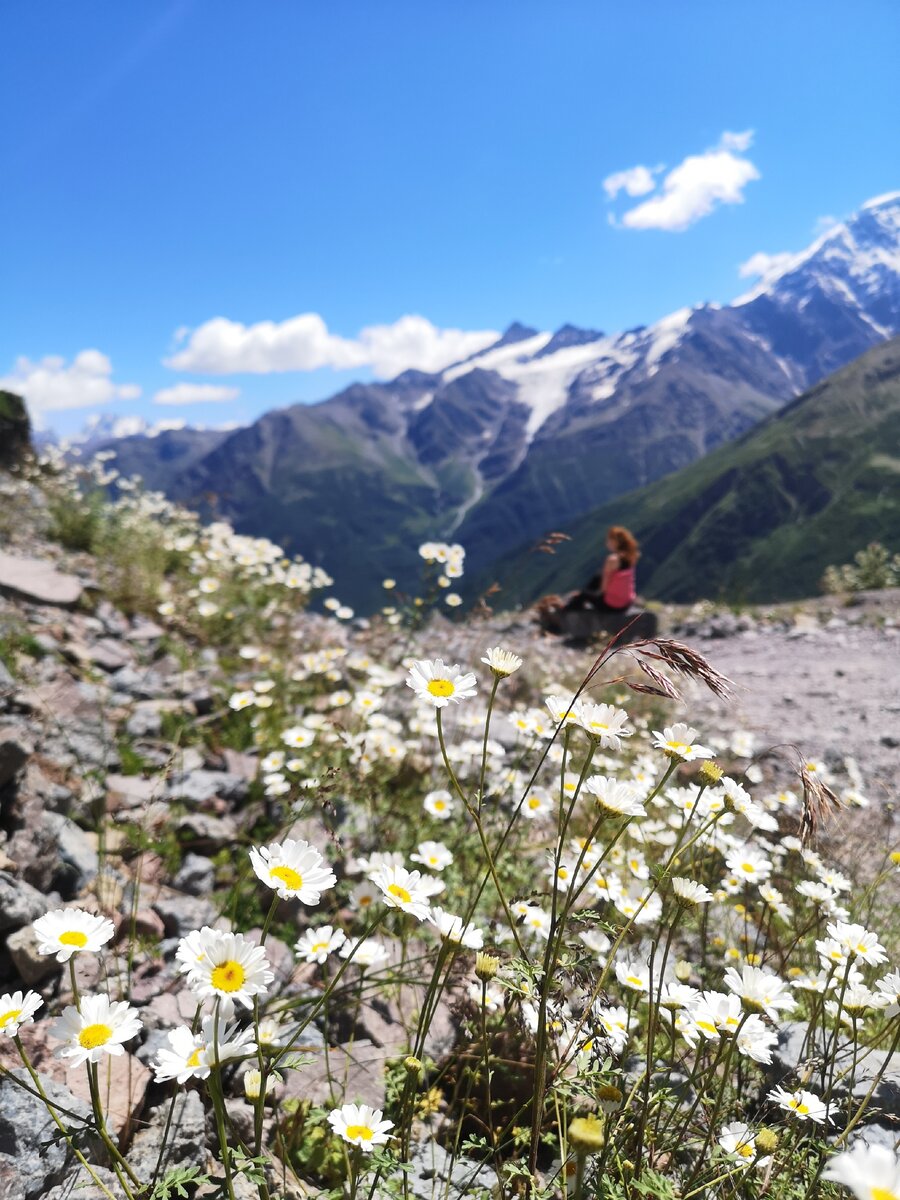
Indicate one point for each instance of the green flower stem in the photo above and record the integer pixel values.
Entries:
(857, 1116)
(218, 1098)
(118, 1162)
(36, 1080)
(484, 744)
(480, 828)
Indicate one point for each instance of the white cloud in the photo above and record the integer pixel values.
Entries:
(51, 384)
(196, 393)
(697, 186)
(304, 343)
(636, 181)
(737, 141)
(764, 266)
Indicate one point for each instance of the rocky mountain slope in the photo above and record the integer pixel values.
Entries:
(760, 518)
(539, 428)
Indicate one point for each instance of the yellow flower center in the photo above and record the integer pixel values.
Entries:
(678, 745)
(317, 946)
(228, 976)
(437, 687)
(745, 1150)
(358, 1133)
(93, 1036)
(534, 802)
(798, 1106)
(634, 980)
(194, 1060)
(879, 1193)
(748, 867)
(440, 805)
(291, 879)
(7, 1017)
(400, 892)
(708, 1026)
(73, 937)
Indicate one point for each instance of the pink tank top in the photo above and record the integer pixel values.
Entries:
(620, 591)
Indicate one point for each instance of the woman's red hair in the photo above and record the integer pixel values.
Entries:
(626, 544)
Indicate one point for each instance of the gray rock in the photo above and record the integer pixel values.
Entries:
(201, 787)
(886, 1097)
(31, 966)
(80, 1186)
(38, 581)
(206, 831)
(436, 1175)
(180, 913)
(145, 721)
(186, 1141)
(20, 903)
(76, 850)
(32, 1156)
(196, 875)
(14, 752)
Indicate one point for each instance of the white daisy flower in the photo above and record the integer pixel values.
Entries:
(365, 952)
(604, 723)
(193, 1055)
(801, 1103)
(98, 1028)
(738, 1141)
(241, 700)
(298, 737)
(402, 889)
(17, 1009)
(538, 803)
(870, 1172)
(451, 927)
(439, 804)
(858, 941)
(614, 797)
(316, 944)
(502, 662)
(678, 742)
(293, 869)
(360, 1125)
(231, 969)
(69, 931)
(759, 990)
(433, 855)
(690, 892)
(438, 684)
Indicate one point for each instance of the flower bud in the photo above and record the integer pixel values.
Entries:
(586, 1134)
(609, 1097)
(766, 1140)
(413, 1066)
(709, 773)
(486, 966)
(682, 971)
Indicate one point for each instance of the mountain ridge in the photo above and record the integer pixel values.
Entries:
(538, 428)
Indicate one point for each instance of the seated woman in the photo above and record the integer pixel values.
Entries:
(612, 589)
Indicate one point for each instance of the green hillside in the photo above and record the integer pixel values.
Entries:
(760, 518)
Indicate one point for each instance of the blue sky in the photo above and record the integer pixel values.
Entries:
(171, 163)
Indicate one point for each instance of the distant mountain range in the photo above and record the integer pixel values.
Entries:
(536, 430)
(758, 519)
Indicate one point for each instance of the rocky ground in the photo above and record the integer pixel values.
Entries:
(90, 688)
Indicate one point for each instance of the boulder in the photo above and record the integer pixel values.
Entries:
(202, 787)
(31, 966)
(122, 1079)
(20, 903)
(196, 875)
(14, 752)
(37, 581)
(32, 1157)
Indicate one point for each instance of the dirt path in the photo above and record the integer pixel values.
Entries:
(834, 691)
